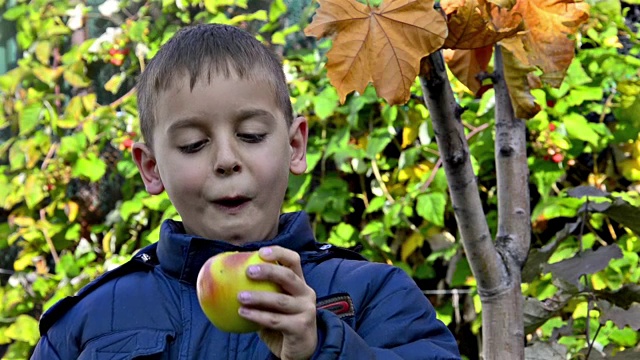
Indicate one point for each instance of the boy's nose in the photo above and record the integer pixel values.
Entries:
(226, 162)
(228, 170)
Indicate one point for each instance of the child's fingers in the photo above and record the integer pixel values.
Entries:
(290, 282)
(285, 323)
(273, 302)
(284, 257)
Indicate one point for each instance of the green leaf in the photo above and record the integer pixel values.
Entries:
(338, 142)
(75, 76)
(325, 103)
(25, 329)
(13, 13)
(90, 167)
(582, 94)
(10, 80)
(578, 128)
(277, 9)
(343, 235)
(376, 204)
(137, 30)
(30, 118)
(34, 190)
(56, 30)
(377, 142)
(431, 207)
(43, 52)
(130, 207)
(67, 266)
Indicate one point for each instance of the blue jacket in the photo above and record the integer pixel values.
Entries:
(148, 307)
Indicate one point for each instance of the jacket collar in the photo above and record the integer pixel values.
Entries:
(182, 255)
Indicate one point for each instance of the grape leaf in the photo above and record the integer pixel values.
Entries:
(587, 262)
(383, 45)
(621, 317)
(471, 26)
(545, 351)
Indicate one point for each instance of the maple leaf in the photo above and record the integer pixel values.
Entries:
(467, 64)
(548, 24)
(471, 26)
(383, 45)
(520, 80)
(506, 4)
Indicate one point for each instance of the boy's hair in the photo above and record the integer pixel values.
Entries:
(203, 51)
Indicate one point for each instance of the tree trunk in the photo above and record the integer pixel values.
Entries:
(495, 265)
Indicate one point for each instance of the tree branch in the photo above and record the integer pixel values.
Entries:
(513, 237)
(454, 150)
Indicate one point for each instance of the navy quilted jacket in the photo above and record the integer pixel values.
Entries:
(148, 307)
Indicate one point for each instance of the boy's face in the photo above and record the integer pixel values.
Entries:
(223, 153)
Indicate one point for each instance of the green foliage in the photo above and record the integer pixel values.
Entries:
(74, 207)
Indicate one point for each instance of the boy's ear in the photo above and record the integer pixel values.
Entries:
(298, 136)
(146, 162)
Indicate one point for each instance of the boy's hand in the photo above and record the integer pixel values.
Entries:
(288, 320)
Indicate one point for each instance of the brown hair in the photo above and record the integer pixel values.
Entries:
(206, 50)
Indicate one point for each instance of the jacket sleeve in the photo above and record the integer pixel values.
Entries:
(45, 350)
(396, 322)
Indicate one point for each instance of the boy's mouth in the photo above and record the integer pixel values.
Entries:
(232, 201)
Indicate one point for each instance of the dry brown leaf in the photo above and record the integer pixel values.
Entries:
(518, 78)
(549, 23)
(382, 45)
(506, 4)
(467, 64)
(471, 26)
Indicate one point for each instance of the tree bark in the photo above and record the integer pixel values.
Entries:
(496, 266)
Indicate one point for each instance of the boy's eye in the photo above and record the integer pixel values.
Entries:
(251, 138)
(193, 147)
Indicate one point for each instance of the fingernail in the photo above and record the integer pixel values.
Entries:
(265, 251)
(253, 270)
(243, 311)
(244, 296)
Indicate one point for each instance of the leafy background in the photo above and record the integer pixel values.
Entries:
(72, 205)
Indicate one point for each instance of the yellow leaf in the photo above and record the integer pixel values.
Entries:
(71, 209)
(471, 26)
(467, 64)
(43, 52)
(47, 75)
(24, 261)
(113, 84)
(410, 134)
(410, 245)
(383, 45)
(22, 221)
(519, 78)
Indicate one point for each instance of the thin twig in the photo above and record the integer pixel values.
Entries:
(52, 247)
(50, 154)
(383, 187)
(594, 340)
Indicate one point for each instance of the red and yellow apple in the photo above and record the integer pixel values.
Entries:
(219, 282)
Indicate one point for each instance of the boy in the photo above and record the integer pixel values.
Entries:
(221, 139)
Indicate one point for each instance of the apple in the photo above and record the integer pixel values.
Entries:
(220, 280)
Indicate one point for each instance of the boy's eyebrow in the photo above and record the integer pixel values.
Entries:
(248, 113)
(186, 122)
(196, 121)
